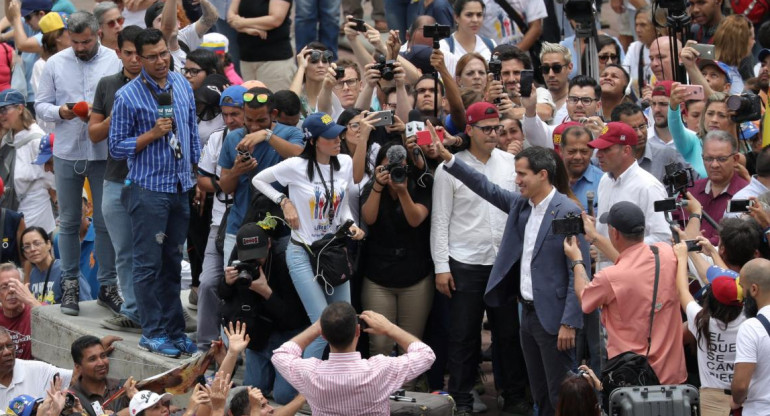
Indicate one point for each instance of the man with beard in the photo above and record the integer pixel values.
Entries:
(93, 386)
(751, 379)
(513, 60)
(70, 77)
(706, 16)
(659, 102)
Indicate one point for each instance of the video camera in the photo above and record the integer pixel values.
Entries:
(385, 67)
(677, 178)
(583, 13)
(668, 204)
(436, 32)
(746, 106)
(571, 224)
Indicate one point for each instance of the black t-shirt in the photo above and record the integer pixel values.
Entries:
(116, 170)
(276, 47)
(397, 254)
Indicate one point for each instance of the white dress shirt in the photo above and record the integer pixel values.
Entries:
(530, 237)
(640, 187)
(463, 225)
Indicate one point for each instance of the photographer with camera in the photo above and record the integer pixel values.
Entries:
(257, 291)
(313, 64)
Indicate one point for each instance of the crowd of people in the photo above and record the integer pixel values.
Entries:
(352, 221)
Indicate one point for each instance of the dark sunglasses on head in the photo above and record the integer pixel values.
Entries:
(547, 68)
(250, 96)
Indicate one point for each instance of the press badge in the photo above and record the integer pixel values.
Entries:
(97, 408)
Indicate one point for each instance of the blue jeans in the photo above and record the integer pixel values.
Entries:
(70, 177)
(119, 227)
(400, 14)
(160, 223)
(261, 374)
(312, 294)
(317, 20)
(208, 297)
(227, 249)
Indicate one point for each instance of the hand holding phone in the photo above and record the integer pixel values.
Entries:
(424, 138)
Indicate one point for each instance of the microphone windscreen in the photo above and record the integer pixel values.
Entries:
(396, 154)
(81, 109)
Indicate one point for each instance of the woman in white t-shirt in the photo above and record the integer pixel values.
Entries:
(319, 180)
(715, 327)
(469, 15)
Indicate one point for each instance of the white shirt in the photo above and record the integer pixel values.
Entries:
(652, 136)
(752, 343)
(715, 365)
(537, 132)
(640, 187)
(755, 188)
(631, 61)
(498, 27)
(560, 116)
(134, 18)
(480, 47)
(463, 225)
(209, 164)
(32, 182)
(32, 378)
(530, 237)
(190, 37)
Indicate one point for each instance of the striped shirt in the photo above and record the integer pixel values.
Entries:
(345, 384)
(135, 110)
(67, 79)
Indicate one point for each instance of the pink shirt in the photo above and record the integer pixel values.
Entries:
(347, 385)
(624, 292)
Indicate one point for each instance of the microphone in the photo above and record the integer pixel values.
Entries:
(80, 109)
(590, 195)
(165, 107)
(396, 154)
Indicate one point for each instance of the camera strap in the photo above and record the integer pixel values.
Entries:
(329, 194)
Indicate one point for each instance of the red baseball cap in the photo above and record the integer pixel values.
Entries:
(481, 110)
(727, 291)
(559, 130)
(662, 88)
(614, 133)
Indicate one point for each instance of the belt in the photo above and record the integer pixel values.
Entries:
(529, 304)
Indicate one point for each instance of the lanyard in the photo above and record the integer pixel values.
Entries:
(154, 94)
(329, 195)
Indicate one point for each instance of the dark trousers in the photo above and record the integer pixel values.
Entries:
(546, 365)
(466, 313)
(588, 342)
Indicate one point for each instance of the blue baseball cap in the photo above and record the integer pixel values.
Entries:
(715, 271)
(11, 97)
(721, 66)
(29, 6)
(232, 96)
(763, 54)
(321, 125)
(748, 130)
(46, 150)
(22, 405)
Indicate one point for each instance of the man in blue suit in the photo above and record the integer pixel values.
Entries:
(532, 266)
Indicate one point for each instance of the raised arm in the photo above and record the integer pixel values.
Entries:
(208, 18)
(682, 281)
(456, 107)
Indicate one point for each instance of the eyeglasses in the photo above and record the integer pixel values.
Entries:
(584, 100)
(640, 127)
(349, 82)
(718, 159)
(426, 90)
(154, 58)
(604, 58)
(35, 244)
(489, 129)
(115, 22)
(250, 96)
(354, 126)
(193, 72)
(547, 68)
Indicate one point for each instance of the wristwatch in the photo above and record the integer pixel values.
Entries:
(280, 199)
(268, 135)
(574, 263)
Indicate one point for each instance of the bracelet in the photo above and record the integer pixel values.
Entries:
(379, 192)
(695, 215)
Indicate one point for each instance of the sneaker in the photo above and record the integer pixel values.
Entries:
(110, 298)
(70, 294)
(160, 345)
(514, 407)
(185, 345)
(122, 323)
(190, 324)
(192, 299)
(478, 405)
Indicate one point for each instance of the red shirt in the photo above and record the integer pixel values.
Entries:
(21, 332)
(715, 206)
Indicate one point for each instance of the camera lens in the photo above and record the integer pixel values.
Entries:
(734, 102)
(398, 174)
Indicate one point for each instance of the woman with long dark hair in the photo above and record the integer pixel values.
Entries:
(318, 181)
(715, 326)
(357, 133)
(577, 396)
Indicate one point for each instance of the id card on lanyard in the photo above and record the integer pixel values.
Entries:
(167, 110)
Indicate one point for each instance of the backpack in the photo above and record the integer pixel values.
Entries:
(487, 41)
(754, 10)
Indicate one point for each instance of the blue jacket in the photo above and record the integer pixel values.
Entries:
(552, 282)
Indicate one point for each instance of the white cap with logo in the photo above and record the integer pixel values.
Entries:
(146, 399)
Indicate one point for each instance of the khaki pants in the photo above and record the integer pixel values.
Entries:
(277, 75)
(407, 307)
(714, 402)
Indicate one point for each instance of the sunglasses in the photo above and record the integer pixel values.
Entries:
(547, 68)
(604, 58)
(250, 96)
(115, 22)
(324, 57)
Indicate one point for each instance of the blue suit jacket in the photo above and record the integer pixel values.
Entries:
(552, 279)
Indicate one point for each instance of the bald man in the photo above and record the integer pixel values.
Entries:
(751, 380)
(660, 58)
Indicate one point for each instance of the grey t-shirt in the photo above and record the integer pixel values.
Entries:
(116, 170)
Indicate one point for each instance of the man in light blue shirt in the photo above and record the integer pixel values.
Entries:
(71, 77)
(583, 176)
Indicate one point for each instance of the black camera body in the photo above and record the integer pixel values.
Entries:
(339, 73)
(436, 32)
(344, 230)
(677, 178)
(246, 272)
(747, 107)
(397, 172)
(385, 67)
(571, 224)
(584, 15)
(495, 67)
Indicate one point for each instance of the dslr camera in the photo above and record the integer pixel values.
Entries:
(397, 172)
(571, 224)
(385, 67)
(436, 32)
(747, 107)
(246, 272)
(677, 178)
(495, 67)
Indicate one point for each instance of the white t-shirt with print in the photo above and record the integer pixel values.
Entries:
(501, 29)
(209, 164)
(190, 37)
(753, 346)
(451, 63)
(715, 365)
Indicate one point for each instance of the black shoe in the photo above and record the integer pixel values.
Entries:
(110, 299)
(510, 406)
(122, 323)
(70, 294)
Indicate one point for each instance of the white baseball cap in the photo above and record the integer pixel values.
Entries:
(145, 399)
